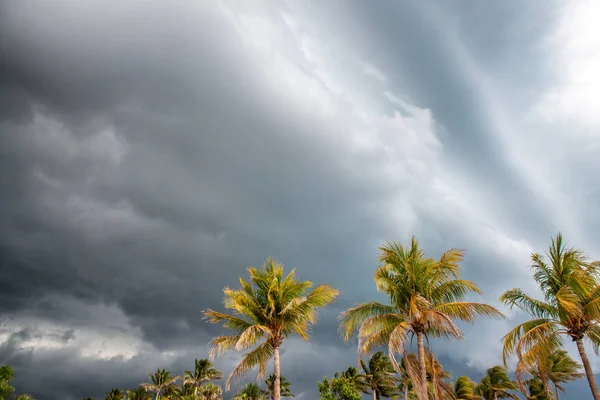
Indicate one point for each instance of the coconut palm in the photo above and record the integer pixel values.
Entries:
(571, 307)
(464, 389)
(138, 394)
(175, 392)
(203, 372)
(23, 397)
(115, 394)
(250, 392)
(554, 370)
(496, 385)
(535, 390)
(210, 391)
(269, 308)
(425, 297)
(284, 386)
(379, 376)
(159, 381)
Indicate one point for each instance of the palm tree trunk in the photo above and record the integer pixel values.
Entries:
(374, 394)
(276, 383)
(406, 392)
(557, 395)
(422, 368)
(588, 369)
(157, 394)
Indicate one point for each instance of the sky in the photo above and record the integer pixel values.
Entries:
(152, 150)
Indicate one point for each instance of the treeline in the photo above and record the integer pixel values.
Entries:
(426, 297)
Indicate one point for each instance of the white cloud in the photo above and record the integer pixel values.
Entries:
(575, 54)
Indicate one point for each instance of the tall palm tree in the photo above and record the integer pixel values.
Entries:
(464, 389)
(425, 297)
(138, 394)
(496, 385)
(203, 372)
(159, 381)
(210, 391)
(571, 307)
(284, 386)
(269, 308)
(115, 394)
(379, 376)
(250, 392)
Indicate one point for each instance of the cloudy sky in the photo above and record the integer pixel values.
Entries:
(152, 150)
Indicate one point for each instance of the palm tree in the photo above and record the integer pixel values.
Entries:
(250, 392)
(87, 398)
(464, 389)
(203, 372)
(269, 308)
(23, 397)
(496, 385)
(284, 386)
(210, 391)
(571, 307)
(556, 369)
(535, 390)
(138, 394)
(159, 381)
(425, 297)
(379, 376)
(115, 394)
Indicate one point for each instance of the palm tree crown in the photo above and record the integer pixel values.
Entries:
(425, 297)
(203, 372)
(496, 385)
(159, 381)
(284, 386)
(464, 389)
(379, 376)
(115, 394)
(138, 394)
(571, 307)
(250, 392)
(269, 308)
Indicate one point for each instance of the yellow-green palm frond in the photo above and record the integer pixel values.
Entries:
(229, 321)
(220, 344)
(467, 311)
(352, 318)
(591, 305)
(453, 290)
(396, 341)
(260, 356)
(376, 331)
(569, 304)
(538, 342)
(449, 261)
(512, 338)
(440, 325)
(593, 335)
(251, 335)
(536, 308)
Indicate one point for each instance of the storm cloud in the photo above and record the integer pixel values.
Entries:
(151, 151)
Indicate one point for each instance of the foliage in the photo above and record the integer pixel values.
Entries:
(139, 393)
(379, 376)
(496, 385)
(571, 307)
(425, 297)
(464, 389)
(210, 391)
(283, 383)
(341, 387)
(203, 372)
(6, 375)
(269, 308)
(250, 392)
(115, 394)
(159, 381)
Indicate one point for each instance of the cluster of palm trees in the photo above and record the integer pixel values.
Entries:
(196, 384)
(426, 298)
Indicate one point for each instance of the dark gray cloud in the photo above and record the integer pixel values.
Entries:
(151, 151)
